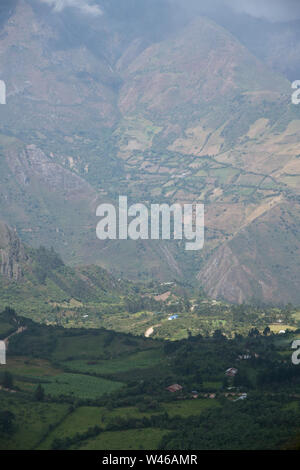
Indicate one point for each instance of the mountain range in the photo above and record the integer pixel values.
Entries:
(181, 114)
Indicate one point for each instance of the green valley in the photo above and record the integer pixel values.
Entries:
(102, 389)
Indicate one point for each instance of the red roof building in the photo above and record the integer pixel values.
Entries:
(174, 388)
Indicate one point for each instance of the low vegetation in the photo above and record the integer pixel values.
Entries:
(99, 389)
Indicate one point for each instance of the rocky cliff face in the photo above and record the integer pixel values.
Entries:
(12, 254)
(32, 164)
(261, 262)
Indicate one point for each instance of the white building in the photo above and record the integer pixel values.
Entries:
(242, 397)
(2, 353)
(231, 372)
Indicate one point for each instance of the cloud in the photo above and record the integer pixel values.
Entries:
(272, 10)
(87, 7)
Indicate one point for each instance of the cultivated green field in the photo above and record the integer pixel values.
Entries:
(81, 386)
(107, 390)
(137, 439)
(140, 360)
(34, 421)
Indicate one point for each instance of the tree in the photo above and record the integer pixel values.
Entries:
(57, 444)
(7, 380)
(39, 393)
(7, 419)
(267, 331)
(242, 380)
(253, 333)
(187, 304)
(218, 335)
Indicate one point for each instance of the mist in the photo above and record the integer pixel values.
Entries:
(271, 10)
(268, 28)
(87, 7)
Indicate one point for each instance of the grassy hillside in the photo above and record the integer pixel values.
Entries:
(38, 284)
(90, 401)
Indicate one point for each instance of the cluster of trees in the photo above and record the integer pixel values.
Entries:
(280, 376)
(67, 442)
(122, 424)
(6, 380)
(37, 341)
(135, 304)
(7, 422)
(45, 261)
(8, 317)
(256, 423)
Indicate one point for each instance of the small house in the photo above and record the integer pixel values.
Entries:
(243, 396)
(174, 388)
(231, 372)
(245, 357)
(173, 317)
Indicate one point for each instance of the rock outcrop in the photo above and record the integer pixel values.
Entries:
(12, 253)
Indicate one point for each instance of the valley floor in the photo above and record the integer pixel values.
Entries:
(98, 389)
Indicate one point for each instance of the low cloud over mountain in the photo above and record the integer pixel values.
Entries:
(272, 10)
(88, 7)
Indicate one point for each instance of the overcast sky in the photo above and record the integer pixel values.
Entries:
(271, 10)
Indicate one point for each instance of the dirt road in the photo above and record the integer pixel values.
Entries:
(150, 330)
(19, 330)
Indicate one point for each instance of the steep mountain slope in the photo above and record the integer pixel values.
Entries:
(42, 198)
(37, 282)
(229, 138)
(260, 262)
(226, 106)
(51, 88)
(56, 134)
(186, 116)
(201, 65)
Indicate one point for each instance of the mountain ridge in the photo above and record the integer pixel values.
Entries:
(193, 117)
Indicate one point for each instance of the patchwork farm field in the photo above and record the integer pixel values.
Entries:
(140, 360)
(34, 422)
(87, 417)
(98, 389)
(57, 383)
(81, 386)
(140, 439)
(31, 367)
(87, 346)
